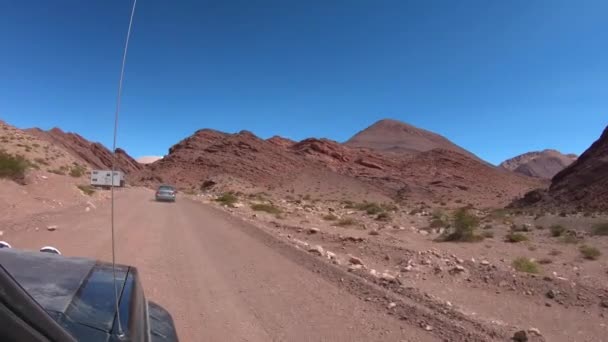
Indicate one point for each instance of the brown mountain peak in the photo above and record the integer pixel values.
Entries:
(392, 135)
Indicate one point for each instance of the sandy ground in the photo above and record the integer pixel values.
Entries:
(221, 280)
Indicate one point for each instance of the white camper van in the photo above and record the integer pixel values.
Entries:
(104, 178)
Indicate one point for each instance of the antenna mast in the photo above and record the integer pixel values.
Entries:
(118, 98)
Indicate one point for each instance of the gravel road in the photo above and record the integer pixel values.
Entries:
(220, 277)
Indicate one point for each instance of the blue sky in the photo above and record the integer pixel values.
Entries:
(497, 77)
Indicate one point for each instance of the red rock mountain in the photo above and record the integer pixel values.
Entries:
(94, 154)
(584, 183)
(542, 164)
(333, 169)
(394, 136)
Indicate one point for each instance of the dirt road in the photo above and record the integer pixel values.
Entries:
(218, 276)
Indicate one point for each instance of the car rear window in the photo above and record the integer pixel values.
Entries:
(165, 188)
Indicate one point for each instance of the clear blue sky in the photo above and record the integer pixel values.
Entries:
(497, 77)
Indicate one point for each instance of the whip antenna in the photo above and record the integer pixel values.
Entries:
(118, 97)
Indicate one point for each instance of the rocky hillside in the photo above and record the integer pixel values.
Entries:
(37, 153)
(542, 164)
(582, 186)
(327, 168)
(93, 154)
(585, 182)
(394, 136)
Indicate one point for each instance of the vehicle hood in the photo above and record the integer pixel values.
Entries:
(76, 289)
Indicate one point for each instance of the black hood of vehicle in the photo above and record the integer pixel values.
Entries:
(75, 290)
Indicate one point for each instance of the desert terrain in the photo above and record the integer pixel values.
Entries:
(395, 235)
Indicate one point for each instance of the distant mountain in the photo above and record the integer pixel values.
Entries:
(541, 164)
(394, 136)
(323, 167)
(148, 159)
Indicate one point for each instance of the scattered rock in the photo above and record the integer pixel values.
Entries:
(354, 260)
(392, 305)
(458, 269)
(423, 232)
(354, 267)
(51, 228)
(388, 277)
(238, 205)
(551, 294)
(1, 233)
(87, 209)
(317, 250)
(407, 268)
(520, 336)
(373, 273)
(428, 328)
(300, 243)
(313, 230)
(330, 255)
(604, 303)
(374, 232)
(534, 331)
(459, 261)
(485, 262)
(502, 283)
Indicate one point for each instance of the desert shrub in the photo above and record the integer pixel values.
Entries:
(228, 199)
(570, 238)
(384, 216)
(589, 252)
(77, 171)
(347, 221)
(516, 237)
(389, 207)
(266, 207)
(12, 167)
(525, 265)
(465, 226)
(330, 217)
(86, 189)
(207, 184)
(557, 230)
(370, 208)
(600, 229)
(487, 226)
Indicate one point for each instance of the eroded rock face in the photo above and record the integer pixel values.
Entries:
(94, 154)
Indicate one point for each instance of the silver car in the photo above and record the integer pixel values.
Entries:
(166, 193)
